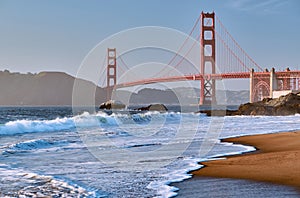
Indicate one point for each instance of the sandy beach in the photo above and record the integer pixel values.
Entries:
(277, 160)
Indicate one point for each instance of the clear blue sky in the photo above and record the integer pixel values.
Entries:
(55, 35)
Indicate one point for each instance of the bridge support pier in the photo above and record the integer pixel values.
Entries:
(111, 73)
(287, 81)
(208, 58)
(273, 82)
(251, 86)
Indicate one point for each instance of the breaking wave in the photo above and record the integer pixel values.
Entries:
(84, 120)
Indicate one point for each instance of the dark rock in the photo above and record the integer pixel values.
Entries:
(154, 107)
(218, 112)
(111, 104)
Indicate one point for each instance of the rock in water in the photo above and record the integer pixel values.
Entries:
(112, 104)
(217, 112)
(154, 107)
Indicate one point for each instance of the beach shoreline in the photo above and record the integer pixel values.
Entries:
(276, 160)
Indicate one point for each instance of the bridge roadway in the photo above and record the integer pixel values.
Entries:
(242, 75)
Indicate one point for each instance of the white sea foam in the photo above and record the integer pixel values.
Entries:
(163, 187)
(35, 185)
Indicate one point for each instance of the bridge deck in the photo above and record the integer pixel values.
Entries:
(242, 75)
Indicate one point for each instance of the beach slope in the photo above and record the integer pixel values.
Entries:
(277, 160)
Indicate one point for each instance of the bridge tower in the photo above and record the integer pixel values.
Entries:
(111, 75)
(208, 57)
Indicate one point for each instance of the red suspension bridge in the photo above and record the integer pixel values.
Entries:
(221, 57)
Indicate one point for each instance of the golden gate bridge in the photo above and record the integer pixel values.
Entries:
(221, 57)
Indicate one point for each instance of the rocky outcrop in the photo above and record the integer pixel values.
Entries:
(112, 104)
(284, 105)
(154, 107)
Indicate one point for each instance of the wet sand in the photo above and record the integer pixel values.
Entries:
(203, 187)
(277, 160)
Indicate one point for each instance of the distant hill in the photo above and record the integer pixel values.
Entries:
(55, 89)
(148, 96)
(42, 89)
(235, 97)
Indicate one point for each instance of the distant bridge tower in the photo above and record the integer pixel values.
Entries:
(111, 75)
(208, 57)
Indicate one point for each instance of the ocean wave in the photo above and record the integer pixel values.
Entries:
(28, 126)
(33, 145)
(84, 120)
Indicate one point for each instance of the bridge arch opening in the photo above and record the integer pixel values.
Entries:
(261, 91)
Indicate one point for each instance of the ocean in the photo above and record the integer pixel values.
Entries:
(58, 152)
